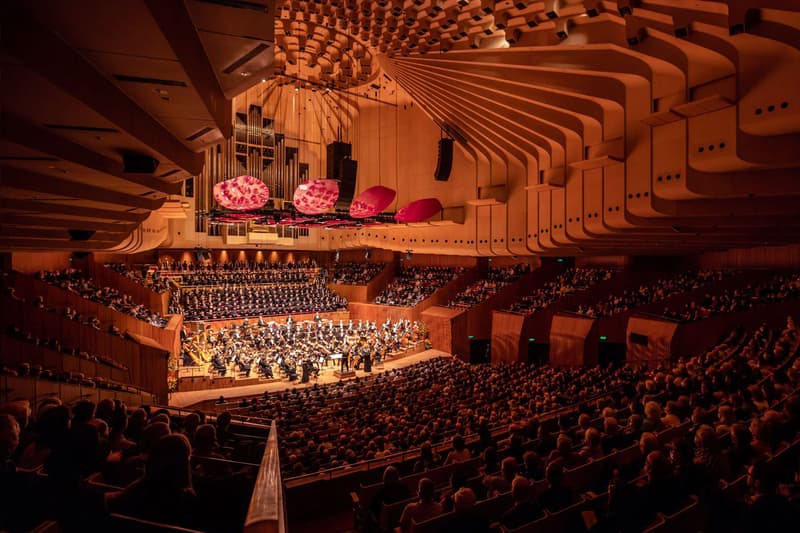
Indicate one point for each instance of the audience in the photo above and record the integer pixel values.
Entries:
(497, 278)
(140, 276)
(414, 284)
(653, 292)
(780, 288)
(154, 472)
(74, 280)
(241, 300)
(355, 273)
(574, 279)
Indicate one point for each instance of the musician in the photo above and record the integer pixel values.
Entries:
(366, 358)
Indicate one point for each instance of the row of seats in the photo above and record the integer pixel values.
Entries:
(574, 279)
(74, 280)
(355, 273)
(91, 460)
(780, 287)
(702, 446)
(414, 284)
(483, 289)
(140, 276)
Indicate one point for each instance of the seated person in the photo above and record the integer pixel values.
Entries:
(392, 491)
(424, 509)
(164, 493)
(502, 483)
(556, 496)
(466, 519)
(524, 509)
(768, 509)
(459, 453)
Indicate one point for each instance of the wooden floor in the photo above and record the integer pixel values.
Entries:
(189, 398)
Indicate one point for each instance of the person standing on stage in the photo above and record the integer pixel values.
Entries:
(345, 361)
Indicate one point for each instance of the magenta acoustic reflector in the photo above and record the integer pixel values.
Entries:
(418, 210)
(315, 197)
(372, 201)
(242, 193)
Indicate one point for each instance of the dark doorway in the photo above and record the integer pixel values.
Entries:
(611, 353)
(538, 353)
(480, 351)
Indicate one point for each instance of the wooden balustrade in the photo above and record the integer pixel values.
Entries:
(365, 293)
(14, 388)
(267, 509)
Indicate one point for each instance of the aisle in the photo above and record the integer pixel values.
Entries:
(185, 399)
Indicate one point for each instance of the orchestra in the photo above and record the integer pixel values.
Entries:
(289, 349)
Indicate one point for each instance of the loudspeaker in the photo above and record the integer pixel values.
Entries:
(445, 161)
(336, 152)
(80, 234)
(348, 168)
(138, 163)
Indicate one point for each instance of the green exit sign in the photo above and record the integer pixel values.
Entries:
(531, 339)
(603, 337)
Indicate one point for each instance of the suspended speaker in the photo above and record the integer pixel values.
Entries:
(348, 169)
(445, 161)
(336, 152)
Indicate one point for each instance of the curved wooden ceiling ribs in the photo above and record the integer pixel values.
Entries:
(704, 145)
(591, 126)
(106, 106)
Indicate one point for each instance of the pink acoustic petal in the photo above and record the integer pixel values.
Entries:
(242, 193)
(315, 197)
(418, 210)
(372, 201)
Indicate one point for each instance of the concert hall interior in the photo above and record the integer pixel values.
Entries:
(410, 266)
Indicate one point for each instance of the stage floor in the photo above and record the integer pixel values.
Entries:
(189, 398)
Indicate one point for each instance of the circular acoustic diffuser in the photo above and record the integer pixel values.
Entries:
(418, 210)
(315, 197)
(372, 201)
(242, 193)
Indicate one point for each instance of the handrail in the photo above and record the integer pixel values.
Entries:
(267, 507)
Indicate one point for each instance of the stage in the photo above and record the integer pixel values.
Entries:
(189, 398)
